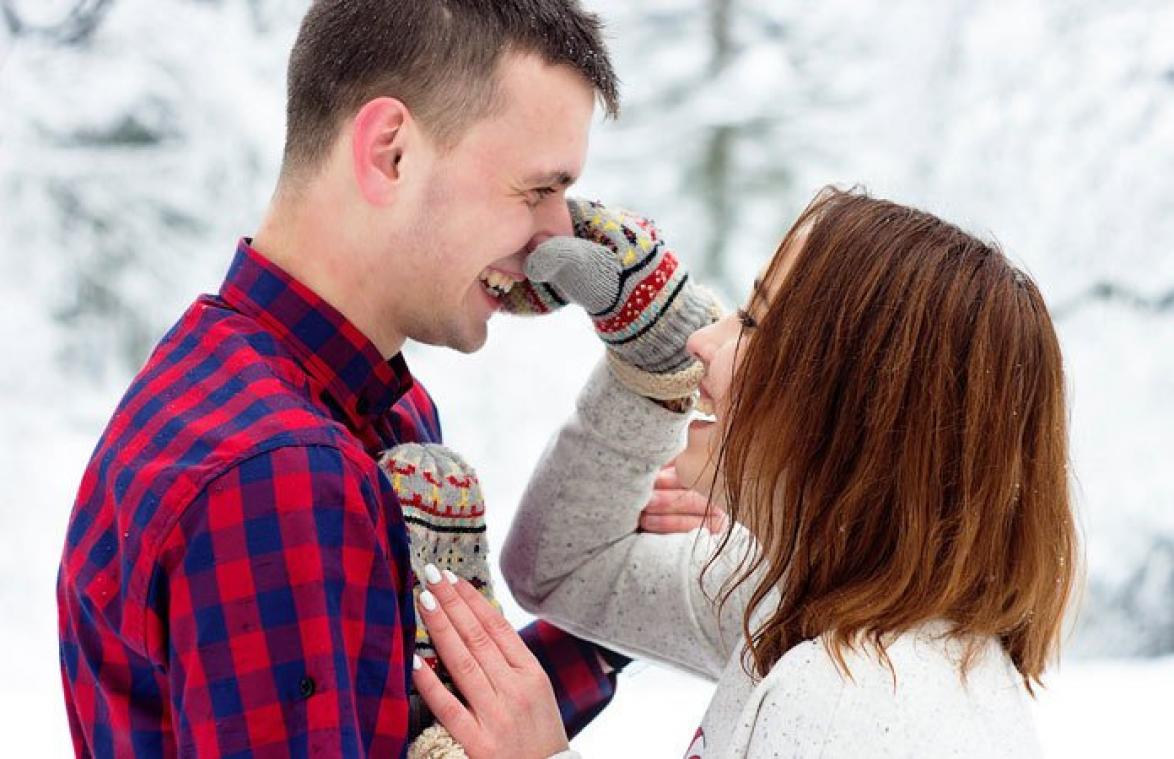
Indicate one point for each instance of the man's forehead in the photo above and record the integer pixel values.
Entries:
(538, 134)
(537, 96)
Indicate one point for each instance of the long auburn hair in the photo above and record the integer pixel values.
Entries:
(897, 442)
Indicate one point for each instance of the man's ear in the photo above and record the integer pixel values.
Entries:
(379, 135)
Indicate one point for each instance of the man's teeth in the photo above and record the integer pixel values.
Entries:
(497, 283)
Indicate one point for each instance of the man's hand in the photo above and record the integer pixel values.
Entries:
(675, 508)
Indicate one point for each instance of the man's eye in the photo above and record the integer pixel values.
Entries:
(748, 321)
(540, 194)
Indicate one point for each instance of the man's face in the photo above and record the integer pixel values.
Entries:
(476, 211)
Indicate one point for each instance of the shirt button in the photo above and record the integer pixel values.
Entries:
(306, 687)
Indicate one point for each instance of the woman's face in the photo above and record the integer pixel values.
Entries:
(720, 347)
(716, 346)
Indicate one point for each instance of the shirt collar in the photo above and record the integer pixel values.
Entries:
(331, 349)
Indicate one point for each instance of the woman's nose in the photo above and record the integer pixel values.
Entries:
(700, 345)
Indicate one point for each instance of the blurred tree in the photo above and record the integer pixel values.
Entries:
(700, 71)
(716, 156)
(147, 161)
(742, 156)
(74, 27)
(1106, 291)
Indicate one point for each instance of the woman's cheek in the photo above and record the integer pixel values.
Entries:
(695, 463)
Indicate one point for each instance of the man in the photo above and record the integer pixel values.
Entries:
(235, 578)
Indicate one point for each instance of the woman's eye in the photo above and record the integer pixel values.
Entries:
(747, 321)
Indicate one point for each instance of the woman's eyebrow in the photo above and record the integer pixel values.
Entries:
(757, 294)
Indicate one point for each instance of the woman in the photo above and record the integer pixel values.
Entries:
(889, 442)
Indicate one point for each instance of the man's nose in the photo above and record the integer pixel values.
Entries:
(553, 220)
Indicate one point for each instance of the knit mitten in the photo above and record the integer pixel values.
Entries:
(529, 298)
(445, 514)
(436, 743)
(638, 295)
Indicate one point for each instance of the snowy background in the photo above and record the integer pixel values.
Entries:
(140, 138)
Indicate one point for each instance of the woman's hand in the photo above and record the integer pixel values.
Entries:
(511, 708)
(675, 508)
(641, 299)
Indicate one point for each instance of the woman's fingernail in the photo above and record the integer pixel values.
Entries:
(427, 600)
(417, 662)
(452, 579)
(431, 574)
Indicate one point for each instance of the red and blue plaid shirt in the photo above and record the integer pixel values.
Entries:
(235, 580)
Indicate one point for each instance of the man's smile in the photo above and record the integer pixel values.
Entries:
(498, 283)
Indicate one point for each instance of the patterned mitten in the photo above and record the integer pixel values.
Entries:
(445, 514)
(639, 296)
(529, 298)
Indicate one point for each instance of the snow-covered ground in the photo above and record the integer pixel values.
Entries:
(130, 163)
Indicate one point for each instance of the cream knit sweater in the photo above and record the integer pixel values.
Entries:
(574, 557)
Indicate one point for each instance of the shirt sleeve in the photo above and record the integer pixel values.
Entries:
(581, 686)
(284, 613)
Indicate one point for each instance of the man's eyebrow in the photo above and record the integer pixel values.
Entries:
(558, 177)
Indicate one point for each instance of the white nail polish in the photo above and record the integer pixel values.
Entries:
(417, 662)
(452, 578)
(431, 574)
(427, 600)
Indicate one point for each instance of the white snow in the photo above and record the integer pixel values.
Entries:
(130, 164)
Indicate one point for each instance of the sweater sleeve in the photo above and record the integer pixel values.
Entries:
(574, 557)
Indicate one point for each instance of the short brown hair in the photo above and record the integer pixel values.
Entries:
(440, 57)
(897, 441)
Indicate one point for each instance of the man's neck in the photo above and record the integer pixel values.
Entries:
(297, 236)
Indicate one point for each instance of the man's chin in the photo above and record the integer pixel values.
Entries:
(470, 347)
(469, 341)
